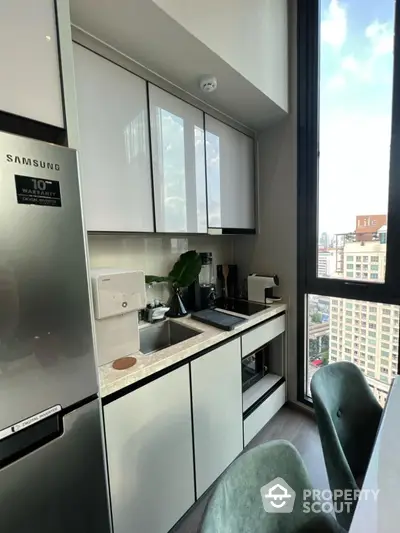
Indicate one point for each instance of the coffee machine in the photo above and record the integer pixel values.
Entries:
(201, 294)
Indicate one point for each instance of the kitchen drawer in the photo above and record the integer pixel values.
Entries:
(256, 338)
(257, 420)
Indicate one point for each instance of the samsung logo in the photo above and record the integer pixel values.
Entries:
(32, 162)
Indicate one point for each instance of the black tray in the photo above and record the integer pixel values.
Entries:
(218, 319)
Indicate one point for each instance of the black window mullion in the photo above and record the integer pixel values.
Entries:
(307, 163)
(393, 235)
(308, 100)
(369, 292)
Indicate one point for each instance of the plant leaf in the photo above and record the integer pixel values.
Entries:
(186, 269)
(156, 279)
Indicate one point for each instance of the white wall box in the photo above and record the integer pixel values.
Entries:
(30, 69)
(230, 177)
(114, 150)
(150, 455)
(177, 137)
(217, 412)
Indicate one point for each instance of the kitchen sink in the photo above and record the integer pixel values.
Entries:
(159, 336)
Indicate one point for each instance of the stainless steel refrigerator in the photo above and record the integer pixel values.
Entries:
(52, 473)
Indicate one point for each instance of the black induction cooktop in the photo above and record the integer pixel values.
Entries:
(242, 307)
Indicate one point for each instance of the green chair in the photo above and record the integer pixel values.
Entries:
(236, 505)
(348, 417)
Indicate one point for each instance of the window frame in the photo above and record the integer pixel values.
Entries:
(308, 45)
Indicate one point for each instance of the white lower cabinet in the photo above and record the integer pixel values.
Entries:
(150, 455)
(217, 412)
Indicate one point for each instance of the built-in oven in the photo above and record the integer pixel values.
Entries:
(254, 367)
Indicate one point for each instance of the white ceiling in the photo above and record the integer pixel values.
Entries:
(145, 33)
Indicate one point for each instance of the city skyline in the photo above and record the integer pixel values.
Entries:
(344, 329)
(326, 240)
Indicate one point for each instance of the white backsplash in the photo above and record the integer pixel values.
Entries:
(155, 254)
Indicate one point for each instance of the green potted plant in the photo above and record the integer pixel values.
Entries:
(183, 273)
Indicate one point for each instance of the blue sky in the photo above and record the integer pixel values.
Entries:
(356, 73)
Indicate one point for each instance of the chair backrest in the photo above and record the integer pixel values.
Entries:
(348, 416)
(236, 505)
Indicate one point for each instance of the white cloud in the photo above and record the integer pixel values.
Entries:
(337, 82)
(350, 63)
(381, 37)
(361, 69)
(334, 25)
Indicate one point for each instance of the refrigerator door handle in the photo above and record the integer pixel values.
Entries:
(27, 440)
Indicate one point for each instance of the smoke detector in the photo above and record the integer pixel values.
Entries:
(208, 84)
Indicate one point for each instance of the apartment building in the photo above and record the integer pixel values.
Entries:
(326, 263)
(366, 333)
(365, 260)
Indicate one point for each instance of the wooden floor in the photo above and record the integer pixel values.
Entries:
(289, 424)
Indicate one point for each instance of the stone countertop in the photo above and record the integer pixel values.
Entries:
(112, 381)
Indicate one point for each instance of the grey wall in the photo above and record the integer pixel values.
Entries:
(249, 35)
(274, 249)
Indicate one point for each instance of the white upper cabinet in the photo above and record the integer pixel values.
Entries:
(30, 70)
(114, 150)
(177, 137)
(230, 177)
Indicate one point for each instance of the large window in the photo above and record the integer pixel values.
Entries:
(349, 187)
